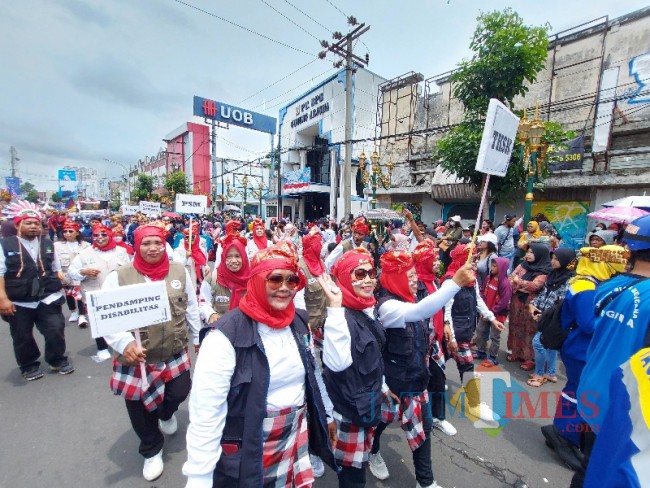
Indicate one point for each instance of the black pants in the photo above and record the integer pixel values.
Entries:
(350, 477)
(50, 322)
(421, 456)
(587, 441)
(436, 389)
(145, 423)
(75, 304)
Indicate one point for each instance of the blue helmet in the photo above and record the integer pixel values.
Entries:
(637, 234)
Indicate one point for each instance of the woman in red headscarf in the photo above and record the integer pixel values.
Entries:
(223, 289)
(118, 237)
(164, 350)
(256, 407)
(461, 314)
(352, 361)
(259, 240)
(426, 260)
(312, 298)
(193, 254)
(66, 250)
(406, 322)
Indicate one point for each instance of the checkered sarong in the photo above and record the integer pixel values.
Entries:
(286, 449)
(437, 354)
(410, 414)
(73, 291)
(126, 380)
(354, 442)
(464, 353)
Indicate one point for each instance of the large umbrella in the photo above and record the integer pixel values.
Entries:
(618, 214)
(232, 208)
(640, 201)
(171, 215)
(382, 214)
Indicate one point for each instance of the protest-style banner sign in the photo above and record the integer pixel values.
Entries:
(129, 209)
(150, 208)
(497, 143)
(195, 204)
(128, 308)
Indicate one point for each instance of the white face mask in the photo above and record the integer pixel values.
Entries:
(117, 239)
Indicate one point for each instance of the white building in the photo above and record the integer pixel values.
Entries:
(87, 182)
(312, 135)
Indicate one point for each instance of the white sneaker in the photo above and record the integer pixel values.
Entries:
(74, 316)
(317, 466)
(83, 322)
(103, 355)
(153, 467)
(444, 426)
(488, 414)
(432, 485)
(377, 466)
(170, 426)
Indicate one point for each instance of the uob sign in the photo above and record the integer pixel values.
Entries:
(229, 114)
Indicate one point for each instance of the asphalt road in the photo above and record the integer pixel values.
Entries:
(70, 431)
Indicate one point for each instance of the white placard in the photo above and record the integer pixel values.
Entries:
(150, 208)
(127, 308)
(498, 139)
(129, 209)
(191, 203)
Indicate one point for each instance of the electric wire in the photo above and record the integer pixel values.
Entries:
(290, 20)
(278, 81)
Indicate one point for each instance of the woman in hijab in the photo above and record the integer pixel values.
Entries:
(192, 253)
(353, 366)
(398, 242)
(291, 235)
(563, 264)
(406, 322)
(118, 237)
(526, 281)
(595, 266)
(426, 261)
(313, 299)
(259, 240)
(533, 232)
(256, 407)
(223, 289)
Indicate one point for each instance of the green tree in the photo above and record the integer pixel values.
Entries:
(176, 182)
(143, 188)
(28, 192)
(507, 57)
(56, 198)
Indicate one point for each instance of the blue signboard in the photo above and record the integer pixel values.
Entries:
(67, 183)
(13, 185)
(229, 114)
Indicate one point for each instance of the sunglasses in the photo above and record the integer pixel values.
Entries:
(276, 281)
(103, 234)
(68, 231)
(360, 273)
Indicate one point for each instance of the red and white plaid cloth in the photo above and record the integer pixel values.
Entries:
(437, 353)
(286, 449)
(410, 413)
(354, 442)
(464, 354)
(73, 291)
(126, 380)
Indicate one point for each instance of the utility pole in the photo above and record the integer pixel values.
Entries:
(14, 160)
(343, 48)
(214, 162)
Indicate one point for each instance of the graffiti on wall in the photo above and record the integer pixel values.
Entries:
(568, 218)
(640, 71)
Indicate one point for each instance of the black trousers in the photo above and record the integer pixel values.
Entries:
(74, 304)
(587, 441)
(49, 321)
(145, 423)
(350, 477)
(436, 389)
(421, 456)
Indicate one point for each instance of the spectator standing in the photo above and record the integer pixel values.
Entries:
(505, 239)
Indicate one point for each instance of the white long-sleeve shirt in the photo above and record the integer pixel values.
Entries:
(120, 340)
(394, 314)
(210, 386)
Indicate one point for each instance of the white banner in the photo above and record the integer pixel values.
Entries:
(129, 209)
(150, 208)
(195, 204)
(498, 139)
(127, 308)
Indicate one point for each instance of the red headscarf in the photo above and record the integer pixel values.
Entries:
(233, 226)
(342, 271)
(235, 282)
(312, 244)
(424, 256)
(361, 225)
(394, 265)
(197, 253)
(111, 243)
(156, 271)
(260, 242)
(255, 304)
(458, 259)
(70, 224)
(118, 231)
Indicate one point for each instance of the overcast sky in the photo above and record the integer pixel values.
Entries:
(87, 80)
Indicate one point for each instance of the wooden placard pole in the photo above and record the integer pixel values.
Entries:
(143, 370)
(472, 244)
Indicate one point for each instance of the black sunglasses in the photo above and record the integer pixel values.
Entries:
(276, 281)
(360, 273)
(69, 231)
(103, 234)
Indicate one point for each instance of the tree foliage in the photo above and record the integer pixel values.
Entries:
(143, 188)
(176, 182)
(508, 55)
(28, 192)
(56, 198)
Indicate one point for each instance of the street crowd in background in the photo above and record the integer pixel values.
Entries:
(312, 337)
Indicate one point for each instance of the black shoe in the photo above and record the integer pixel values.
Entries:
(33, 374)
(568, 453)
(63, 368)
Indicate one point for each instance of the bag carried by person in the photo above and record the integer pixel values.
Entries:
(550, 325)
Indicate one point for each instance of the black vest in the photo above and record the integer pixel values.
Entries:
(356, 391)
(32, 285)
(247, 402)
(463, 314)
(405, 354)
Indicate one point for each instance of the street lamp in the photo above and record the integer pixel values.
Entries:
(232, 193)
(376, 175)
(530, 134)
(128, 177)
(259, 193)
